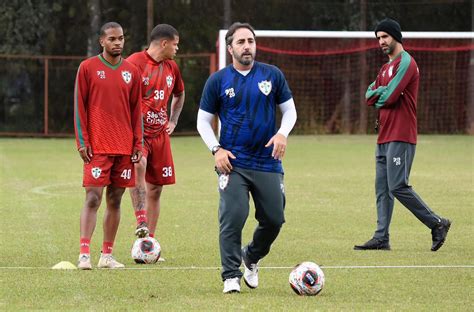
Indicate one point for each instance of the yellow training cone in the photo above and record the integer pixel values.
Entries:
(64, 265)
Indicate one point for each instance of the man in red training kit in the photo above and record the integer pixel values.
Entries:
(108, 126)
(160, 78)
(394, 94)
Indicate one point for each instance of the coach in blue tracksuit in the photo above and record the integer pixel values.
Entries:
(245, 95)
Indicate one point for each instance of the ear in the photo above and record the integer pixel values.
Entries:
(163, 43)
(229, 49)
(101, 41)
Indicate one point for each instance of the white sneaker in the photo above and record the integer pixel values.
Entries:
(250, 272)
(84, 262)
(107, 261)
(231, 285)
(251, 275)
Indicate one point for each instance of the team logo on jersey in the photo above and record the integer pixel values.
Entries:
(101, 74)
(223, 181)
(390, 71)
(96, 171)
(265, 86)
(169, 81)
(146, 81)
(230, 92)
(127, 76)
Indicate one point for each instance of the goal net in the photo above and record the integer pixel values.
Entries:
(329, 72)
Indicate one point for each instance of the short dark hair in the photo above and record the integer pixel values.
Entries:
(229, 36)
(107, 26)
(163, 31)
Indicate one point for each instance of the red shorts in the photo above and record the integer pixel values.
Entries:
(103, 170)
(160, 166)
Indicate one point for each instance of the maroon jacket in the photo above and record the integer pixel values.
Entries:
(395, 93)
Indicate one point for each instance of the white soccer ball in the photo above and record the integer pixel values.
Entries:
(307, 279)
(146, 250)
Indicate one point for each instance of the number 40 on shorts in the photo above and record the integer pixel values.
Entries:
(126, 174)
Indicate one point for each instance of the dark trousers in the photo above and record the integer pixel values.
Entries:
(267, 191)
(393, 165)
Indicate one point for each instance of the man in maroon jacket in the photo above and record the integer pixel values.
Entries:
(394, 93)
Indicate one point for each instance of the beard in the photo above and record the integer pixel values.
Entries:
(244, 59)
(116, 53)
(389, 49)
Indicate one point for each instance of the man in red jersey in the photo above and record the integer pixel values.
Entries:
(160, 79)
(108, 126)
(394, 93)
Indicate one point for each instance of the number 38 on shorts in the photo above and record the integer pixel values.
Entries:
(167, 172)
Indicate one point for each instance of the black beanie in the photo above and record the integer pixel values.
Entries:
(391, 27)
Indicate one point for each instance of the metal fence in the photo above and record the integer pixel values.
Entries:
(36, 92)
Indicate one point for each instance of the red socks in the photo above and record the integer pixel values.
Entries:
(107, 247)
(85, 246)
(141, 216)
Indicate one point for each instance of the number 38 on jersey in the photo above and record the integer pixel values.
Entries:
(159, 94)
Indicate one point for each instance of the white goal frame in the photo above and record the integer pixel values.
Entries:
(337, 34)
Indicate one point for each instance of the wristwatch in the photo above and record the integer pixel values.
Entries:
(215, 149)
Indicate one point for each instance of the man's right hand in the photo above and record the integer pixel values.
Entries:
(222, 161)
(86, 153)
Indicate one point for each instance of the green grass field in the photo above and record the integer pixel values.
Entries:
(330, 207)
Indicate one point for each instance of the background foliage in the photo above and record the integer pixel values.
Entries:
(62, 27)
(70, 28)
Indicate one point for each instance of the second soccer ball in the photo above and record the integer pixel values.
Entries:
(307, 279)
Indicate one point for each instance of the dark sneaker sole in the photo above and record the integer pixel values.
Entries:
(441, 243)
(248, 285)
(141, 233)
(364, 248)
(232, 292)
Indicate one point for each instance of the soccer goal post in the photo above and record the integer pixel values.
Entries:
(329, 71)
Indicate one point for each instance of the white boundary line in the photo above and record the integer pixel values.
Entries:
(159, 267)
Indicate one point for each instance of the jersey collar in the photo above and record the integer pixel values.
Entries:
(114, 67)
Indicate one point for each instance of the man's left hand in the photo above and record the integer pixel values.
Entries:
(170, 127)
(279, 145)
(136, 156)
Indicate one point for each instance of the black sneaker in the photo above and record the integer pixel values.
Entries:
(439, 233)
(142, 230)
(373, 244)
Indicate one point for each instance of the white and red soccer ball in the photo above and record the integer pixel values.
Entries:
(146, 250)
(307, 279)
